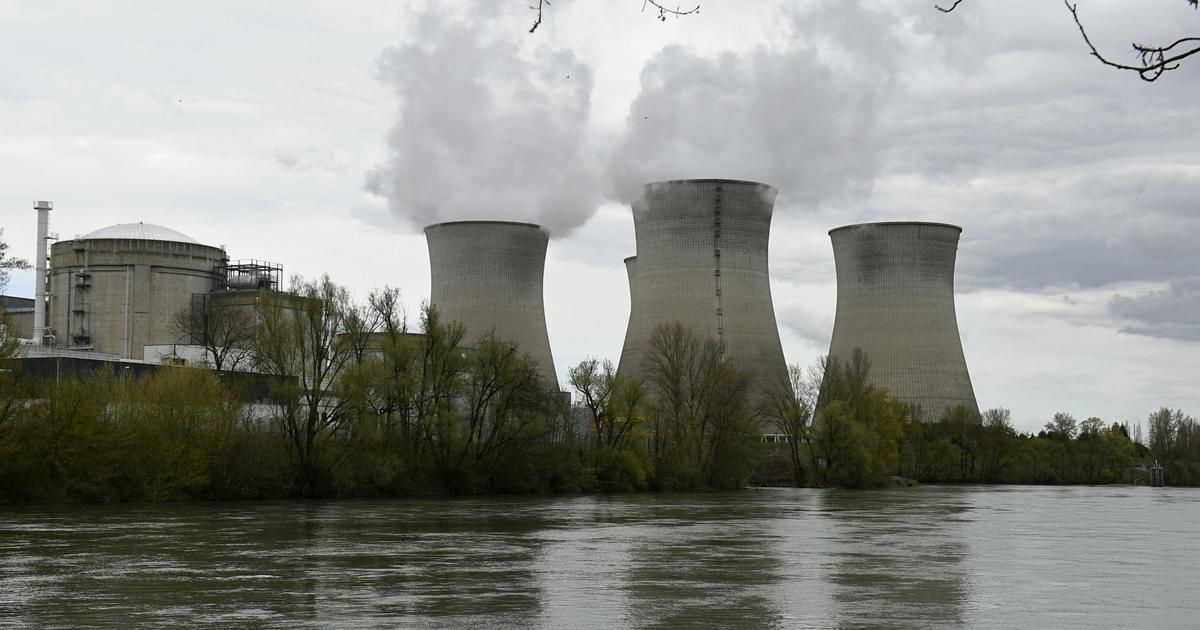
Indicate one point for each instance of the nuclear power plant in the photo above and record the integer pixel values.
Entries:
(487, 275)
(702, 261)
(895, 301)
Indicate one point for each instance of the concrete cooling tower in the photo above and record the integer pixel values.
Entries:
(488, 276)
(702, 261)
(895, 300)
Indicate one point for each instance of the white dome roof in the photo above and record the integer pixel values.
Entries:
(139, 231)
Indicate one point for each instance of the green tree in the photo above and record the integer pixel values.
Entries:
(616, 409)
(996, 443)
(1062, 427)
(303, 340)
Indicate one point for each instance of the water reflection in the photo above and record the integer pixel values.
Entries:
(901, 557)
(705, 562)
(951, 557)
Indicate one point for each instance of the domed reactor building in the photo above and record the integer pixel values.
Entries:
(895, 301)
(115, 290)
(702, 261)
(488, 276)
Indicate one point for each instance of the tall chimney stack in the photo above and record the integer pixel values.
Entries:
(39, 304)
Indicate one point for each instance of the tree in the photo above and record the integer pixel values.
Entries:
(225, 332)
(702, 424)
(996, 443)
(1062, 426)
(612, 401)
(8, 341)
(8, 263)
(503, 407)
(662, 10)
(302, 339)
(858, 429)
(1155, 60)
(791, 404)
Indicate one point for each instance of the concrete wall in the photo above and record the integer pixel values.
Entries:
(702, 260)
(22, 323)
(135, 287)
(895, 300)
(488, 275)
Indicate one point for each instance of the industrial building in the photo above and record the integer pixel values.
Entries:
(487, 275)
(20, 315)
(895, 301)
(702, 261)
(119, 291)
(115, 289)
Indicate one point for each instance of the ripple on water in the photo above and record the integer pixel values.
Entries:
(930, 557)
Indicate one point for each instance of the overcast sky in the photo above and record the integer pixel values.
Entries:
(324, 135)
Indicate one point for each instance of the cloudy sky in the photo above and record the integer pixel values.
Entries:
(324, 135)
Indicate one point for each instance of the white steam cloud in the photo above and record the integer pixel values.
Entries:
(494, 124)
(485, 129)
(799, 117)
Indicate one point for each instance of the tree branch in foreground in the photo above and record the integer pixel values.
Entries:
(1155, 59)
(949, 8)
(663, 11)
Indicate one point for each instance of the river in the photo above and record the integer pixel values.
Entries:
(971, 556)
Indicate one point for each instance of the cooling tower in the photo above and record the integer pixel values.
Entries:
(895, 300)
(702, 261)
(488, 276)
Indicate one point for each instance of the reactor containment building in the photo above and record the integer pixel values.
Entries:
(702, 261)
(895, 301)
(115, 290)
(487, 275)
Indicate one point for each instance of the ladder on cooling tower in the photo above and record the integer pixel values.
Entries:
(717, 261)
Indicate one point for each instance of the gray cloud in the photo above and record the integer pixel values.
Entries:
(1171, 313)
(1113, 225)
(485, 130)
(1062, 172)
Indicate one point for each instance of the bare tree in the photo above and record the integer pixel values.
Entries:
(791, 409)
(654, 5)
(701, 412)
(1155, 59)
(8, 340)
(225, 332)
(8, 263)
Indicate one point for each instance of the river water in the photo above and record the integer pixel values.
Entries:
(986, 557)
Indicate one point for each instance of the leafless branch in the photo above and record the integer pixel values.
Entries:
(948, 9)
(538, 8)
(1155, 59)
(663, 12)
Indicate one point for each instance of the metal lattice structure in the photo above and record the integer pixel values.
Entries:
(895, 301)
(249, 275)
